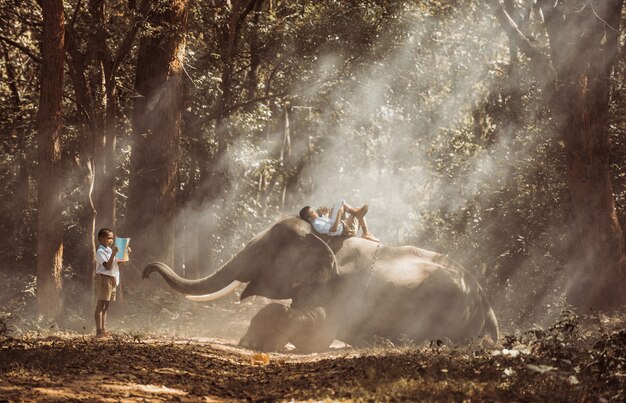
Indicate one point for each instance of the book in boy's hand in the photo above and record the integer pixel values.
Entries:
(122, 249)
(335, 210)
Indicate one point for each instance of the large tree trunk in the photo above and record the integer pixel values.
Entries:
(583, 40)
(156, 127)
(50, 220)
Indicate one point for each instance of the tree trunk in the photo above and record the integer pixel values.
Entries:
(103, 117)
(87, 220)
(88, 79)
(286, 155)
(50, 220)
(255, 59)
(94, 80)
(215, 180)
(583, 40)
(20, 198)
(512, 91)
(156, 130)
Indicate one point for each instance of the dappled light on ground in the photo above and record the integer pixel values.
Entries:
(577, 359)
(167, 348)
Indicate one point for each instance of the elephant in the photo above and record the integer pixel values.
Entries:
(345, 288)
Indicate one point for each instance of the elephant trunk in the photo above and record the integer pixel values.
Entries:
(216, 285)
(242, 267)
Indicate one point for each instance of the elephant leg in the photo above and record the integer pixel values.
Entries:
(312, 330)
(275, 325)
(267, 329)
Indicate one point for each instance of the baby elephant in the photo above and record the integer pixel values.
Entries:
(275, 325)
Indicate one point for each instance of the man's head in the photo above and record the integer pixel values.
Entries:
(308, 214)
(106, 237)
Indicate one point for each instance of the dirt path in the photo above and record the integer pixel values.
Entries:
(84, 369)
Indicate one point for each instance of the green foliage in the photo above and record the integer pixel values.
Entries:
(415, 107)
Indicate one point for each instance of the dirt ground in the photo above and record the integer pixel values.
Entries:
(83, 369)
(166, 348)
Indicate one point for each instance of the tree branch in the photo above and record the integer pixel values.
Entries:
(21, 47)
(74, 17)
(214, 115)
(129, 38)
(523, 43)
(247, 9)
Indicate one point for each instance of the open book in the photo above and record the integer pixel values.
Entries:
(336, 207)
(122, 246)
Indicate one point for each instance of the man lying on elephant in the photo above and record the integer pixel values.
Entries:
(343, 219)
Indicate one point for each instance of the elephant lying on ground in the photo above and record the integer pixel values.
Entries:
(348, 289)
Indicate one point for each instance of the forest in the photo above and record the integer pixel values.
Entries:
(491, 132)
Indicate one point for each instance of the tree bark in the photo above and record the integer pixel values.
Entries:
(88, 78)
(105, 66)
(512, 91)
(50, 220)
(583, 42)
(583, 39)
(103, 127)
(156, 130)
(255, 59)
(93, 75)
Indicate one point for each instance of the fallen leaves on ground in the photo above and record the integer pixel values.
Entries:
(167, 348)
(549, 366)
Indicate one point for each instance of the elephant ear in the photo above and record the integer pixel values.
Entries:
(299, 259)
(317, 264)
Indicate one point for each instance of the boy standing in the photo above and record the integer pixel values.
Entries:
(107, 278)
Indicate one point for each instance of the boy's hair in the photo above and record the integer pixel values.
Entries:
(104, 232)
(304, 213)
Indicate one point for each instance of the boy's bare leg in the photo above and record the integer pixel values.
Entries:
(354, 210)
(350, 225)
(101, 315)
(105, 308)
(98, 315)
(366, 233)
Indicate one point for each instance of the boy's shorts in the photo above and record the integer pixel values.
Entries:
(105, 287)
(350, 226)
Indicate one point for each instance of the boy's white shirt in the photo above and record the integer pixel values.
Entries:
(102, 255)
(324, 224)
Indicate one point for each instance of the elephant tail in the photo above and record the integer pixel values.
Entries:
(490, 327)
